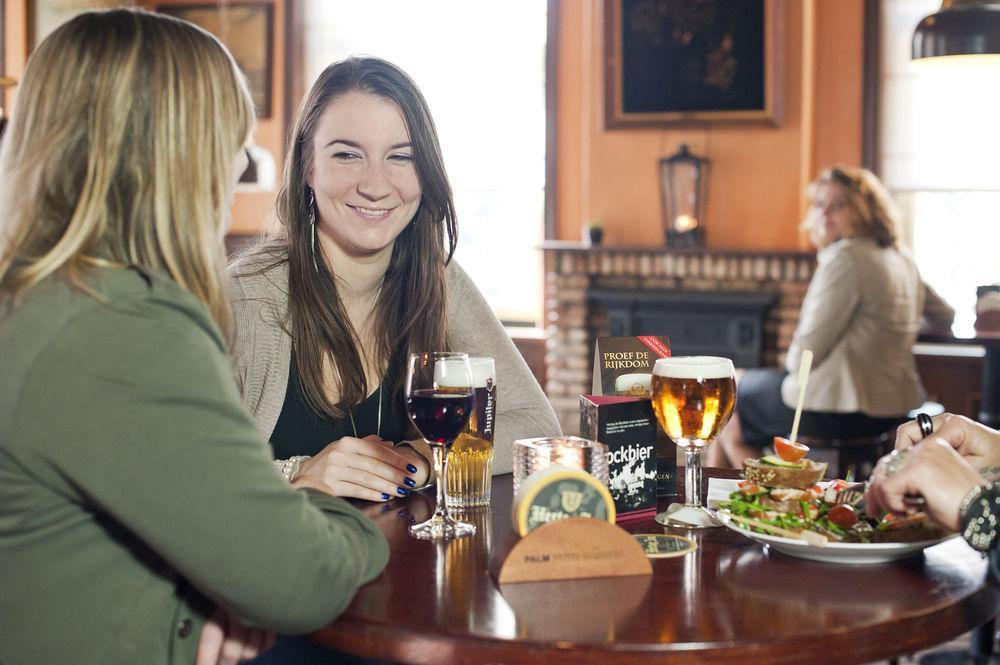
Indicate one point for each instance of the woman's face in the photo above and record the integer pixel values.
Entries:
(833, 217)
(363, 174)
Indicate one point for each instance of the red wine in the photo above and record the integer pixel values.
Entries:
(439, 416)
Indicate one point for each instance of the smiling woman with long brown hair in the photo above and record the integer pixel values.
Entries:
(357, 274)
(141, 519)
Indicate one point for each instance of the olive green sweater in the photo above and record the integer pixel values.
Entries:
(135, 491)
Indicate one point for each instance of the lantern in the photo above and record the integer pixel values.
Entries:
(684, 190)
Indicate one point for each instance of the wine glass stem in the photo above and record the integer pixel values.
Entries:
(440, 462)
(692, 476)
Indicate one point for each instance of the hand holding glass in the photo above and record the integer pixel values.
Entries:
(439, 401)
(693, 398)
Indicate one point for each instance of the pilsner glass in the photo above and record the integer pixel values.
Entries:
(470, 461)
(439, 401)
(693, 398)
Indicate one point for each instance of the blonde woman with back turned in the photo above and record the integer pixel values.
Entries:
(141, 519)
(860, 317)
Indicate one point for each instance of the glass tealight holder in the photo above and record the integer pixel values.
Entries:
(574, 452)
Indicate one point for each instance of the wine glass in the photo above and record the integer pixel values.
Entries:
(693, 398)
(439, 400)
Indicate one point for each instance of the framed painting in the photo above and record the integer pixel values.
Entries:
(692, 62)
(247, 29)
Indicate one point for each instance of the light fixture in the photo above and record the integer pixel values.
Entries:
(960, 27)
(684, 190)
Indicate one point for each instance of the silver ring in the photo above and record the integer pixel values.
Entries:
(926, 424)
(895, 462)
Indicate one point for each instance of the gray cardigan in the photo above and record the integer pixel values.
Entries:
(263, 352)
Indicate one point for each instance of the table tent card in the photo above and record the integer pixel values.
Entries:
(642, 461)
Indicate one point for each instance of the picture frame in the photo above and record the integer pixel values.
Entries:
(693, 63)
(247, 29)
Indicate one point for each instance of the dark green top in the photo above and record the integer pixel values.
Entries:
(302, 431)
(135, 490)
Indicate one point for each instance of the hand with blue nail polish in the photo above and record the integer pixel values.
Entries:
(369, 468)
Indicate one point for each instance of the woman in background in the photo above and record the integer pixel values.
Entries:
(357, 275)
(141, 520)
(860, 317)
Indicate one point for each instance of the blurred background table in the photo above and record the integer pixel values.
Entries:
(730, 601)
(989, 404)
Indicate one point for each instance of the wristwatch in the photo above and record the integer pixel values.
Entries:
(978, 516)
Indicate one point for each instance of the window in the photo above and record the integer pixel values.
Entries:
(938, 157)
(482, 69)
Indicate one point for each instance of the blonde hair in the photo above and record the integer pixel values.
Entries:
(875, 213)
(120, 151)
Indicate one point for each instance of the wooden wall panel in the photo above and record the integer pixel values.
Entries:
(755, 199)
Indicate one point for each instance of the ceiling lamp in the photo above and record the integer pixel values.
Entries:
(960, 27)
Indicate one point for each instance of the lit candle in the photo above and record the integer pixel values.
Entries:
(569, 455)
(532, 455)
(685, 223)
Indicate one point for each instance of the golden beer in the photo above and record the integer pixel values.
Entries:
(693, 410)
(470, 461)
(693, 398)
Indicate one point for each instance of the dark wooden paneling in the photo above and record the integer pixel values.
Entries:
(954, 381)
(872, 88)
(533, 351)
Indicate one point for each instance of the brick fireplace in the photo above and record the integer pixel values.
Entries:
(740, 304)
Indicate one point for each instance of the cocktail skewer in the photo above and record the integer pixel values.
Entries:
(804, 366)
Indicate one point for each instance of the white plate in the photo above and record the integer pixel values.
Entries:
(851, 553)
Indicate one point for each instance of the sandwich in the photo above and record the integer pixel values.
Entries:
(781, 493)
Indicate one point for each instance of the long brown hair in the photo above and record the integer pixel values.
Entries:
(409, 313)
(123, 136)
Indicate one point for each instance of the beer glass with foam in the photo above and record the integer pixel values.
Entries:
(470, 462)
(693, 398)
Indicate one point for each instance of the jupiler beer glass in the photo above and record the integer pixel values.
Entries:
(470, 461)
(693, 398)
(439, 401)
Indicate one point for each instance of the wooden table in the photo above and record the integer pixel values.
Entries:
(730, 601)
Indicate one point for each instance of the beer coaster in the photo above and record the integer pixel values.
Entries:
(662, 545)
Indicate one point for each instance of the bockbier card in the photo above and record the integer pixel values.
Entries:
(623, 368)
(626, 426)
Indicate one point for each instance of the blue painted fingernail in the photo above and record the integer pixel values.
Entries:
(402, 492)
(385, 497)
(410, 482)
(411, 468)
(403, 513)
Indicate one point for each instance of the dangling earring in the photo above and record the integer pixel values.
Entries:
(312, 226)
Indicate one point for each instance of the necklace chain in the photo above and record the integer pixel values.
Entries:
(350, 412)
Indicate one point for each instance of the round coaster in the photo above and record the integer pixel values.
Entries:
(662, 545)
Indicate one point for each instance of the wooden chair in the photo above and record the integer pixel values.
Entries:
(855, 457)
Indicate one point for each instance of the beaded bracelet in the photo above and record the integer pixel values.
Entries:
(978, 516)
(289, 467)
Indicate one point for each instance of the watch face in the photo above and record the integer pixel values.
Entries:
(979, 522)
